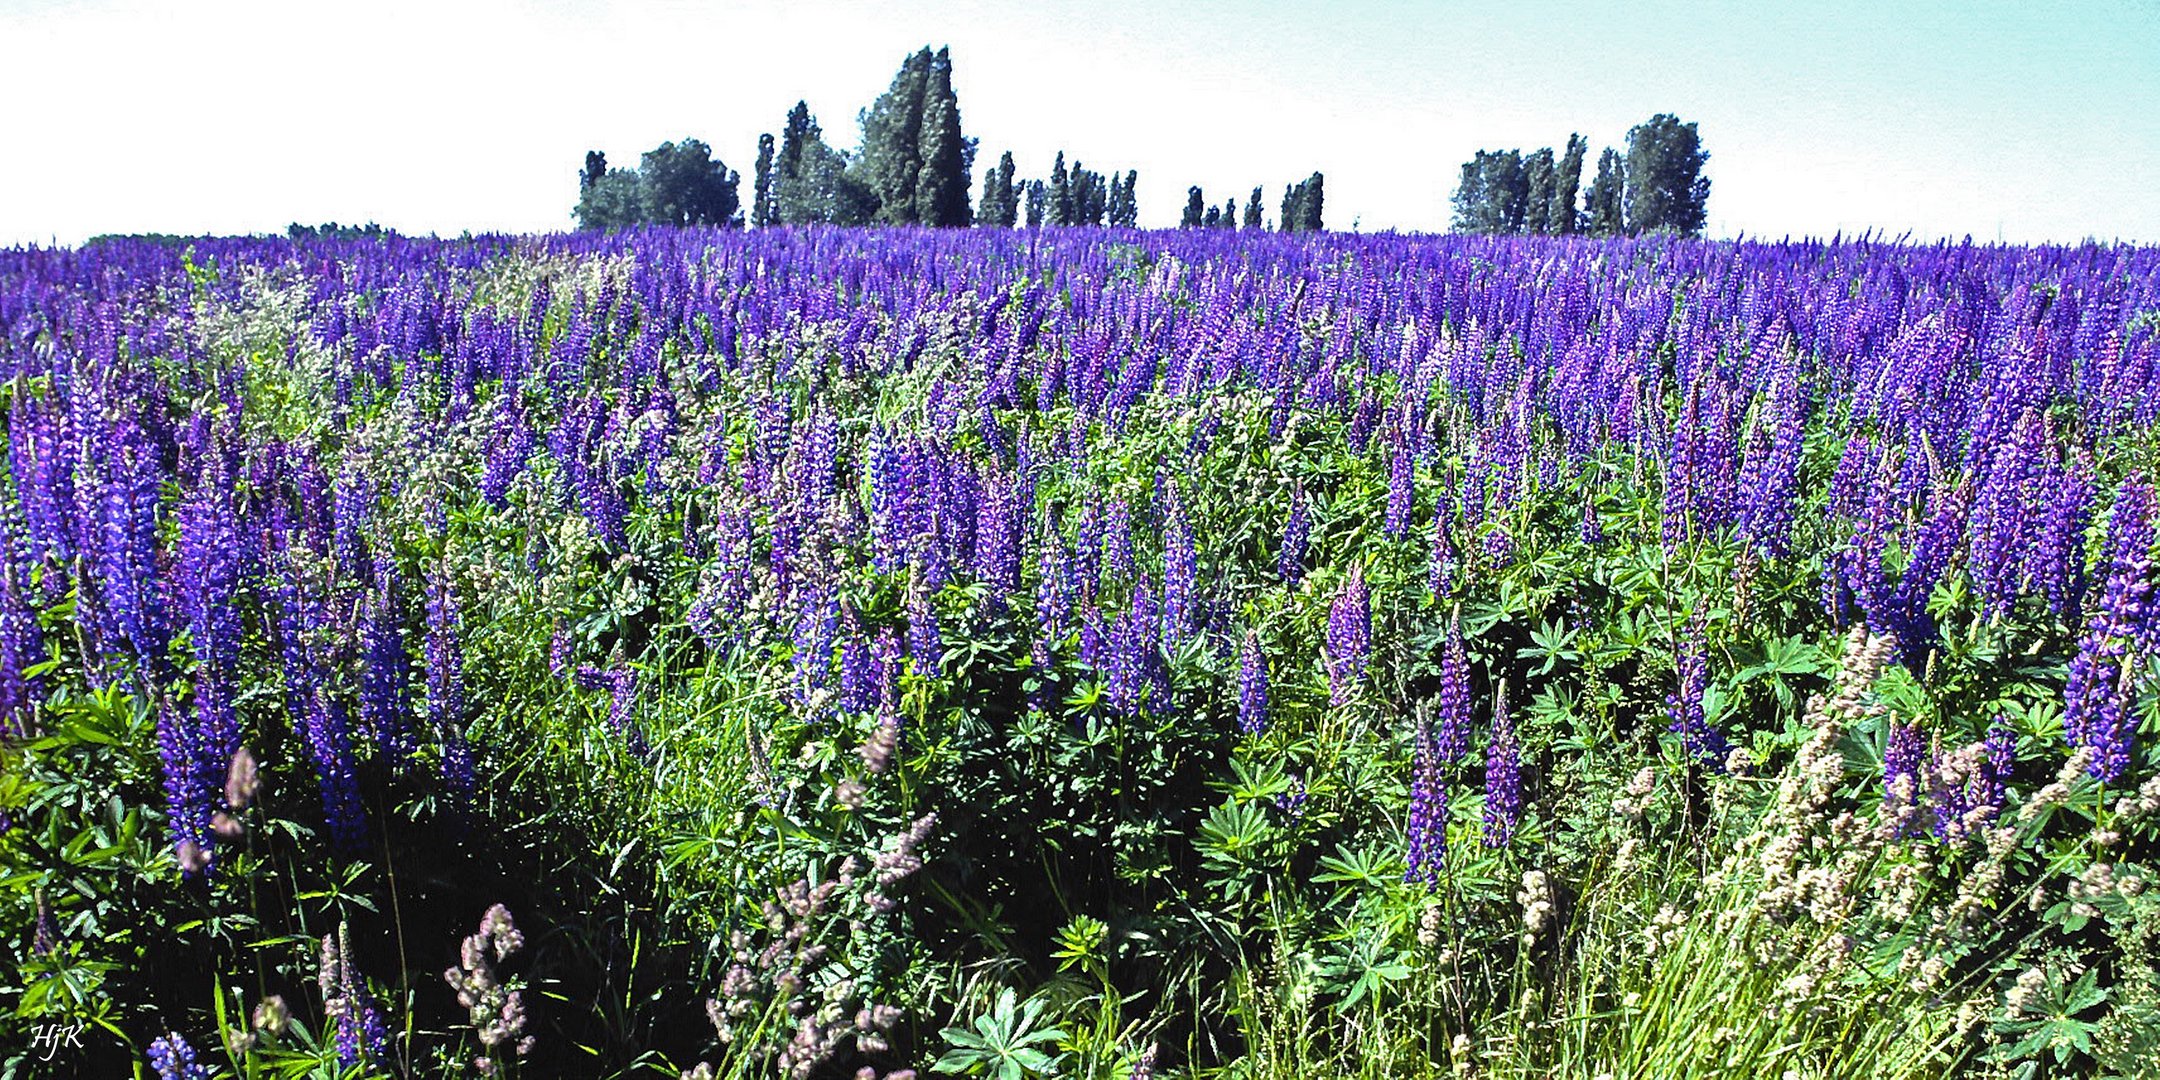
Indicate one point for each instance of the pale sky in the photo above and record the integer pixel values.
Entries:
(2025, 121)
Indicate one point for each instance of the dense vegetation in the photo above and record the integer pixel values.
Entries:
(913, 168)
(1658, 187)
(1084, 653)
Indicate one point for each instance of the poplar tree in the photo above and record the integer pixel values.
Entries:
(1252, 209)
(1195, 209)
(1562, 218)
(892, 135)
(1540, 179)
(1603, 208)
(761, 206)
(1666, 190)
(941, 178)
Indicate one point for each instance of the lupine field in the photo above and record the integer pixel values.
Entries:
(1077, 653)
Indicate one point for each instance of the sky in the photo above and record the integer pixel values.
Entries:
(2023, 122)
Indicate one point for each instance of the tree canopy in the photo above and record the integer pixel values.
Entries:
(1657, 186)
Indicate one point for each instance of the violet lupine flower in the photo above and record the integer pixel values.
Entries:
(352, 503)
(207, 576)
(361, 1033)
(1349, 638)
(1297, 530)
(1402, 488)
(926, 646)
(998, 520)
(320, 723)
(1426, 833)
(1503, 777)
(817, 634)
(509, 448)
(1252, 686)
(1770, 478)
(1592, 530)
(173, 1059)
(1998, 763)
(2055, 563)
(1903, 754)
(1684, 706)
(1137, 678)
(2100, 694)
(127, 555)
(1454, 735)
(1445, 561)
(446, 683)
(1181, 571)
(21, 646)
(1499, 547)
(621, 683)
(1117, 542)
(385, 669)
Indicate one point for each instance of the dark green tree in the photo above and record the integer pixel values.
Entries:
(1060, 208)
(801, 130)
(1604, 203)
(612, 200)
(1124, 201)
(1540, 180)
(941, 179)
(1195, 209)
(1000, 202)
(1229, 214)
(1038, 203)
(1562, 218)
(761, 206)
(1492, 194)
(1252, 210)
(595, 168)
(1310, 198)
(1213, 218)
(891, 160)
(684, 185)
(1666, 190)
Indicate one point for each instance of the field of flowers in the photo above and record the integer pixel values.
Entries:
(1107, 654)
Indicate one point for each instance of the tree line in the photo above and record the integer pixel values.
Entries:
(1657, 186)
(913, 168)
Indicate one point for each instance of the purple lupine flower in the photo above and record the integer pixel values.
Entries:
(1453, 739)
(362, 1034)
(1117, 542)
(2055, 563)
(2100, 694)
(1181, 572)
(1426, 833)
(207, 577)
(1252, 686)
(127, 555)
(1592, 530)
(1402, 487)
(445, 654)
(621, 683)
(21, 647)
(320, 723)
(1138, 681)
(1349, 638)
(1445, 561)
(1499, 547)
(1998, 763)
(926, 645)
(352, 502)
(1684, 706)
(509, 448)
(1903, 753)
(385, 669)
(1503, 776)
(173, 1059)
(1297, 530)
(817, 639)
(998, 521)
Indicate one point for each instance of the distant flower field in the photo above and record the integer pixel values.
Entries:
(1078, 653)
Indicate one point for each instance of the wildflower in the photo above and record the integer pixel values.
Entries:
(2099, 711)
(1454, 734)
(1349, 638)
(1297, 529)
(174, 1059)
(1503, 777)
(1252, 686)
(1427, 831)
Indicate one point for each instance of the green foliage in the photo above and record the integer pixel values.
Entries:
(1004, 1042)
(1666, 190)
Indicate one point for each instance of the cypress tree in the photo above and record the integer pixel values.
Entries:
(1229, 214)
(999, 205)
(1309, 204)
(1037, 203)
(1539, 181)
(595, 168)
(1060, 208)
(761, 208)
(1562, 219)
(892, 140)
(1195, 209)
(801, 129)
(1252, 209)
(941, 181)
(1602, 204)
(1289, 219)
